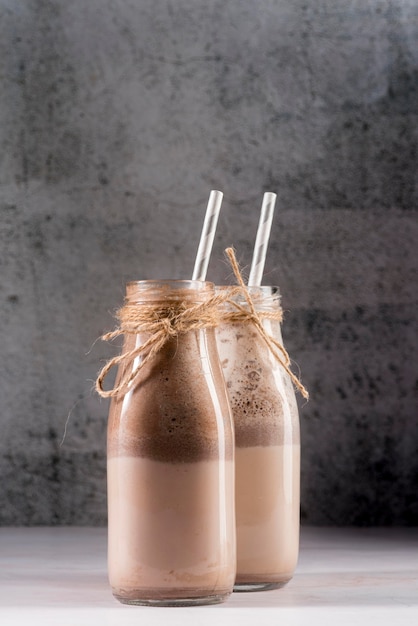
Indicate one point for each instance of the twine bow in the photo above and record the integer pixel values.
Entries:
(160, 322)
(163, 322)
(256, 317)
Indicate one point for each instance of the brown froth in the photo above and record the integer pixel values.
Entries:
(258, 406)
(172, 413)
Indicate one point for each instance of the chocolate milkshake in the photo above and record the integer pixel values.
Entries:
(267, 451)
(171, 469)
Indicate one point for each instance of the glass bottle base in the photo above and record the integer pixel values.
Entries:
(194, 601)
(268, 586)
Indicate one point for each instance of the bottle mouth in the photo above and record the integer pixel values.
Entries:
(265, 290)
(169, 290)
(263, 296)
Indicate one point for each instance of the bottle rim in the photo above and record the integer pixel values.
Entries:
(262, 290)
(263, 296)
(174, 282)
(169, 289)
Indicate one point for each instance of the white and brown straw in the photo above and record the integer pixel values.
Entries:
(262, 239)
(207, 236)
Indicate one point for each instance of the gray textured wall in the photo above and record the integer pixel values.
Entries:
(117, 117)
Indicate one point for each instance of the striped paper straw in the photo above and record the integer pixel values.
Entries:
(262, 239)
(207, 236)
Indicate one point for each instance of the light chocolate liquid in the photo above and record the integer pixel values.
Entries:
(267, 497)
(267, 457)
(168, 513)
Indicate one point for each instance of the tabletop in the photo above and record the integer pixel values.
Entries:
(344, 577)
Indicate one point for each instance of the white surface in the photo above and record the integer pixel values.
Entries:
(345, 577)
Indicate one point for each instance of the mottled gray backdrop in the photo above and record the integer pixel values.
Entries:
(117, 117)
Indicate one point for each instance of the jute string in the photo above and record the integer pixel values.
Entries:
(164, 321)
(250, 314)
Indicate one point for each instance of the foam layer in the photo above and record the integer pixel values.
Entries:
(261, 397)
(178, 410)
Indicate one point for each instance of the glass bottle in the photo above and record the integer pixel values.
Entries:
(267, 453)
(171, 528)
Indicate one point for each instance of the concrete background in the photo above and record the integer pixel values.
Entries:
(116, 119)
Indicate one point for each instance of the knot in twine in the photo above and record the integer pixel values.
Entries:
(163, 322)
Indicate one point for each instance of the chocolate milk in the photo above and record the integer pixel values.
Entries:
(267, 501)
(171, 479)
(267, 456)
